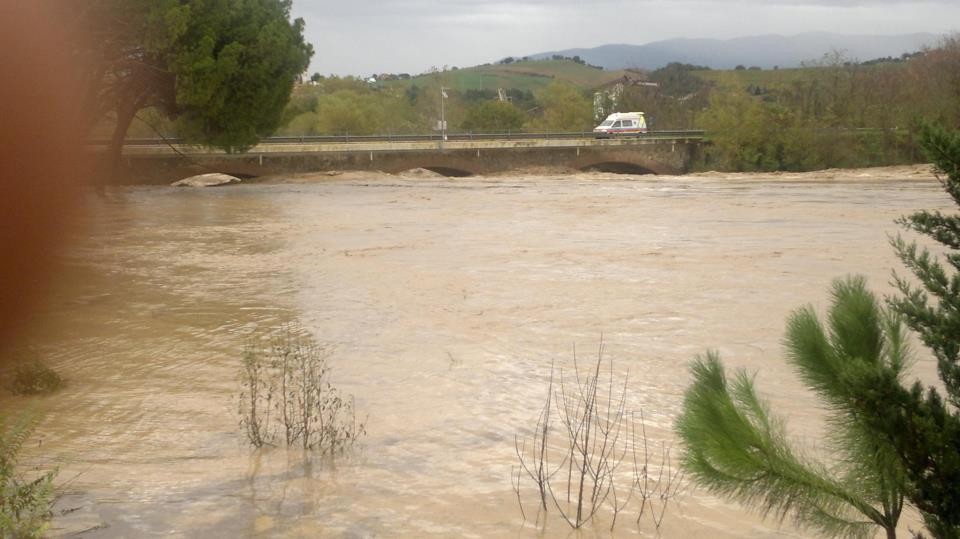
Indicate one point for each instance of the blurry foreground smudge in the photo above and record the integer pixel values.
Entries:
(41, 163)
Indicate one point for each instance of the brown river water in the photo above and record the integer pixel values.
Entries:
(445, 302)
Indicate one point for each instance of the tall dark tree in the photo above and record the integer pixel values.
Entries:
(222, 69)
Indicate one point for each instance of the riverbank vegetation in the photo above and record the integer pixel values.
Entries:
(25, 502)
(894, 441)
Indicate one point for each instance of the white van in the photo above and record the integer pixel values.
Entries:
(622, 123)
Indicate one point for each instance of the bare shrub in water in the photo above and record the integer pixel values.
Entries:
(286, 396)
(587, 454)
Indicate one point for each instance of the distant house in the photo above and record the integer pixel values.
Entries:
(606, 97)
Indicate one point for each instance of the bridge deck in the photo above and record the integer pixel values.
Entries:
(285, 146)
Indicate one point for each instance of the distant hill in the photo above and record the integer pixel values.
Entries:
(763, 51)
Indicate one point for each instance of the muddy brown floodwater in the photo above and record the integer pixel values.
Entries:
(445, 301)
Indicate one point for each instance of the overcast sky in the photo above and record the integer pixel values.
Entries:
(361, 37)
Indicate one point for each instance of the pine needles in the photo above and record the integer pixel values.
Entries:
(736, 447)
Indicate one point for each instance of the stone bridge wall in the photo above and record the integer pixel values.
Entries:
(656, 158)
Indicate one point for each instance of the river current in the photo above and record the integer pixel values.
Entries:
(444, 303)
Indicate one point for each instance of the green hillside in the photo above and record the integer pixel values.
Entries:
(770, 78)
(522, 75)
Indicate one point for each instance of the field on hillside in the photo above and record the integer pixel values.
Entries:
(775, 78)
(523, 75)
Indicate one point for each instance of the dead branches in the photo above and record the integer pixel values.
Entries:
(579, 453)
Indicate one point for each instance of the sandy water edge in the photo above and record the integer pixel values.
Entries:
(921, 172)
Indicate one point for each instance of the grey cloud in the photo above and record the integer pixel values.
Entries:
(364, 36)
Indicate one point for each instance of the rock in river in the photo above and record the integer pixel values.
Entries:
(206, 180)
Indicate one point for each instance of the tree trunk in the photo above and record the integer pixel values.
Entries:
(125, 113)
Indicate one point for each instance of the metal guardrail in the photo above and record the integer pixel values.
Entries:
(691, 134)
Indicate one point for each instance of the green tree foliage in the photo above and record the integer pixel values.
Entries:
(346, 112)
(923, 426)
(494, 117)
(563, 108)
(347, 106)
(737, 448)
(678, 79)
(937, 323)
(749, 135)
(223, 69)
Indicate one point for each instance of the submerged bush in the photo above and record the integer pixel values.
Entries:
(588, 455)
(32, 377)
(286, 396)
(24, 503)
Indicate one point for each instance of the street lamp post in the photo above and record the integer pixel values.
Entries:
(443, 121)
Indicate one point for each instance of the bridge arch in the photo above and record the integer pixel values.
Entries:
(451, 172)
(618, 167)
(625, 162)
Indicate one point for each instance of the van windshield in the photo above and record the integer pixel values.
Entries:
(606, 123)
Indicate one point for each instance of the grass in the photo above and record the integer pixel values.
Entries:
(777, 78)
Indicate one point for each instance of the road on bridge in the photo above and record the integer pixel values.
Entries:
(391, 143)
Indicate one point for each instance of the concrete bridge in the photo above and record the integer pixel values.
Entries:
(654, 153)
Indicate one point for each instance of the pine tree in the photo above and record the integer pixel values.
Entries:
(735, 447)
(925, 427)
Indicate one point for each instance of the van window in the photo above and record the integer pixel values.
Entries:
(616, 123)
(606, 123)
(629, 123)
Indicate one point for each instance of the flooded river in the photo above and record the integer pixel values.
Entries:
(445, 302)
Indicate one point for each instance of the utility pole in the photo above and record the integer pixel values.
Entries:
(443, 121)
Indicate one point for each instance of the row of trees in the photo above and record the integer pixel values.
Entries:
(838, 114)
(350, 106)
(891, 442)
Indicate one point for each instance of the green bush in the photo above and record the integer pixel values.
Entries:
(32, 377)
